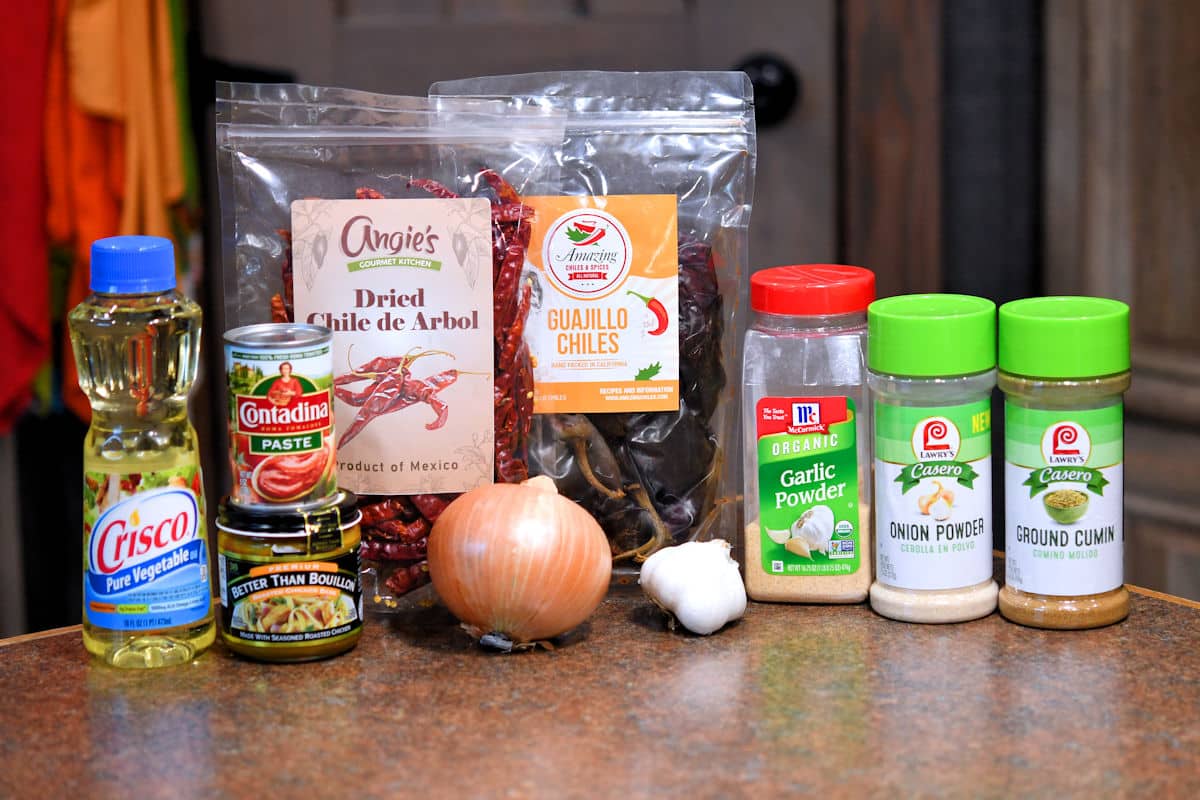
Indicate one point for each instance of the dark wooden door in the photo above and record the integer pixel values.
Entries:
(1122, 220)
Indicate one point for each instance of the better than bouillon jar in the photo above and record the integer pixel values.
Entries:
(932, 362)
(281, 442)
(289, 580)
(1064, 366)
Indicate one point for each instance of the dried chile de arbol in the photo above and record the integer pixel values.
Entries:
(395, 529)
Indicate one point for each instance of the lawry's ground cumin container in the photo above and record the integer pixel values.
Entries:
(1064, 368)
(281, 437)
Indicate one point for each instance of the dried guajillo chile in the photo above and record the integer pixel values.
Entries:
(648, 476)
(443, 212)
(651, 478)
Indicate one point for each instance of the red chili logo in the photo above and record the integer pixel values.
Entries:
(582, 233)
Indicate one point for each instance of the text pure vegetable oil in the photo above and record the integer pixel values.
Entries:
(147, 598)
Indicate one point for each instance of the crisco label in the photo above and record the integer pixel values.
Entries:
(1063, 484)
(808, 485)
(145, 553)
(281, 441)
(933, 495)
(605, 332)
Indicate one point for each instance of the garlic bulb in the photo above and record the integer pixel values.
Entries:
(698, 583)
(815, 528)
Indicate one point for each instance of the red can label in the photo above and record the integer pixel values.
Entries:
(281, 438)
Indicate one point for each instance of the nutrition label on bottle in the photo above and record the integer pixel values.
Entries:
(1063, 500)
(933, 495)
(808, 485)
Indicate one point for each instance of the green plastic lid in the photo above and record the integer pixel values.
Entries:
(931, 334)
(1064, 337)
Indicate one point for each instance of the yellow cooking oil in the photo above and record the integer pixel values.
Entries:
(147, 598)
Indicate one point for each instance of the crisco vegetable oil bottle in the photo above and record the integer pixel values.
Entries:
(147, 599)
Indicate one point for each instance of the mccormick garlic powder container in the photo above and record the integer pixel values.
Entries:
(281, 440)
(807, 435)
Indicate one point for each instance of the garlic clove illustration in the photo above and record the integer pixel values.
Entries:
(798, 547)
(778, 537)
(815, 528)
(940, 509)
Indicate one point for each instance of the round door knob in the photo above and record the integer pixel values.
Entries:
(776, 88)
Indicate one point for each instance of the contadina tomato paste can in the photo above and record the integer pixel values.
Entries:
(289, 582)
(281, 441)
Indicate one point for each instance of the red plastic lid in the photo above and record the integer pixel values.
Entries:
(812, 289)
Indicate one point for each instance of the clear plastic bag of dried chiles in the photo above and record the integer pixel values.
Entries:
(399, 223)
(636, 259)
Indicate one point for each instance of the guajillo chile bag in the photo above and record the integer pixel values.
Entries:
(638, 298)
(398, 223)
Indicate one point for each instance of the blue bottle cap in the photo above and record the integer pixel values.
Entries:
(133, 265)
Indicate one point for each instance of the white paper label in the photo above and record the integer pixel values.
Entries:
(1045, 557)
(944, 547)
(406, 286)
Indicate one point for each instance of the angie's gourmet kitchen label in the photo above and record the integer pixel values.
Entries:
(406, 287)
(604, 326)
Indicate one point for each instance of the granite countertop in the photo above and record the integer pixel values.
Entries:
(834, 700)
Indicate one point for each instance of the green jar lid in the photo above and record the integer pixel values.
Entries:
(1064, 337)
(929, 335)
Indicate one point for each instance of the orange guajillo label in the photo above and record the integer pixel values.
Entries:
(604, 329)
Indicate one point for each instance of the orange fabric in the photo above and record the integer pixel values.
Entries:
(114, 162)
(24, 269)
(82, 206)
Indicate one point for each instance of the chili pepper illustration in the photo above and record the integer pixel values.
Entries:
(392, 388)
(582, 234)
(656, 308)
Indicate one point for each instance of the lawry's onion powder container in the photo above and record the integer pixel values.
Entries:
(931, 369)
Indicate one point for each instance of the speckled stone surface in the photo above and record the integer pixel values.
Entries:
(833, 700)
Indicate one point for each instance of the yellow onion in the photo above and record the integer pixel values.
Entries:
(518, 563)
